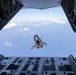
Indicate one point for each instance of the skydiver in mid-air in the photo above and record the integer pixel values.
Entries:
(38, 42)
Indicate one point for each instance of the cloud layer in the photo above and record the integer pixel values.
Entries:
(43, 22)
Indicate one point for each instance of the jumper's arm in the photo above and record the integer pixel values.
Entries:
(33, 46)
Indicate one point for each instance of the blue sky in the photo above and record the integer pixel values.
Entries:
(51, 25)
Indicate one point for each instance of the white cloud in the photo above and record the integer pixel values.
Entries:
(10, 25)
(59, 21)
(47, 22)
(23, 29)
(42, 23)
(8, 44)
